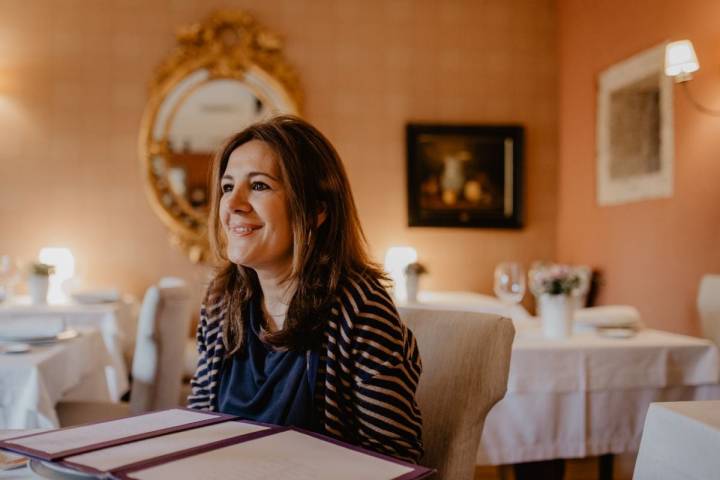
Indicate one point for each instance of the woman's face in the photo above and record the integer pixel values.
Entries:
(253, 210)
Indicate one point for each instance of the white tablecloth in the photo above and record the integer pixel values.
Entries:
(470, 302)
(32, 383)
(681, 440)
(114, 320)
(588, 395)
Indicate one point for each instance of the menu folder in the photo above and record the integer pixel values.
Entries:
(63, 442)
(187, 444)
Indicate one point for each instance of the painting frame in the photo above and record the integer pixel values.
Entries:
(635, 140)
(465, 175)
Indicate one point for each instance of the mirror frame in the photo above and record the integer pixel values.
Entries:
(229, 44)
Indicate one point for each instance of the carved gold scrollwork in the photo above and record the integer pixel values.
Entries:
(229, 50)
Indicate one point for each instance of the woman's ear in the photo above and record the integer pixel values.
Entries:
(322, 215)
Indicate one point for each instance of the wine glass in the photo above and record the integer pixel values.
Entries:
(509, 282)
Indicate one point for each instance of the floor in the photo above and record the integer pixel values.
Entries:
(577, 469)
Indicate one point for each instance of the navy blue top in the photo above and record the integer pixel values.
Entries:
(267, 385)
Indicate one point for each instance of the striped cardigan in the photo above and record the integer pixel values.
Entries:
(367, 375)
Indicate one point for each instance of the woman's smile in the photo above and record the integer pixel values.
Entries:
(243, 230)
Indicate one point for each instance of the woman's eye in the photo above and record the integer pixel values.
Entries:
(226, 187)
(258, 186)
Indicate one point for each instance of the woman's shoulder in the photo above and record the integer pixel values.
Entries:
(364, 302)
(212, 310)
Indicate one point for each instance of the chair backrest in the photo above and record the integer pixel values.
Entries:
(159, 349)
(466, 360)
(708, 303)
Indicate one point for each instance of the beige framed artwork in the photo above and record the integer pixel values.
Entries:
(635, 130)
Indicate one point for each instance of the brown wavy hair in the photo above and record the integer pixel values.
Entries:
(315, 182)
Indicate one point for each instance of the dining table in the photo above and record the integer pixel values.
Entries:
(680, 440)
(588, 394)
(115, 321)
(33, 381)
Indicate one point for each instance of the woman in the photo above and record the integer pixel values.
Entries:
(296, 328)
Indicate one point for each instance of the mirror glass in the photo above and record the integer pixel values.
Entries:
(225, 74)
(209, 114)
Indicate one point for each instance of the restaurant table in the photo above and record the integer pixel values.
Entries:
(681, 440)
(587, 395)
(32, 383)
(116, 323)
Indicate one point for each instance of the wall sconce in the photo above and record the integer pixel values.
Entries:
(680, 63)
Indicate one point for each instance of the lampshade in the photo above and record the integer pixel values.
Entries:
(64, 262)
(680, 60)
(396, 259)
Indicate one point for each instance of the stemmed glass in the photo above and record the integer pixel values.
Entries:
(509, 282)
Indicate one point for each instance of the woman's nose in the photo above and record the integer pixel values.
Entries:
(238, 201)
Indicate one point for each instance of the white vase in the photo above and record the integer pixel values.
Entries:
(411, 287)
(556, 315)
(38, 288)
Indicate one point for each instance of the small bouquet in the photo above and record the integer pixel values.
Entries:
(555, 279)
(415, 268)
(42, 269)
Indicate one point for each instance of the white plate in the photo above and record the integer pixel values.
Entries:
(616, 332)
(64, 335)
(11, 348)
(57, 472)
(100, 296)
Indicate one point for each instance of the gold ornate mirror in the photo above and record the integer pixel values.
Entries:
(224, 74)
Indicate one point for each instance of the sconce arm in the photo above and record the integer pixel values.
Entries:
(695, 103)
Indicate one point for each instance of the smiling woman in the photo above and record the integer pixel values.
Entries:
(297, 328)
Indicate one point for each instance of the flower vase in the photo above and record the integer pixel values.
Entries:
(556, 315)
(38, 288)
(411, 286)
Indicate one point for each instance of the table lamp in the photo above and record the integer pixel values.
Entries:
(64, 262)
(396, 259)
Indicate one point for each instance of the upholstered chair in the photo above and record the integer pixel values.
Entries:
(466, 360)
(708, 303)
(157, 364)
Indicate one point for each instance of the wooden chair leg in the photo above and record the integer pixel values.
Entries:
(605, 467)
(505, 472)
(546, 469)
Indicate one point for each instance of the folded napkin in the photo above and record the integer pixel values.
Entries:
(27, 328)
(96, 296)
(608, 316)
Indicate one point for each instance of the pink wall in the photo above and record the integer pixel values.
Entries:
(653, 252)
(73, 77)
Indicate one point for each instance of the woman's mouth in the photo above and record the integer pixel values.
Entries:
(242, 230)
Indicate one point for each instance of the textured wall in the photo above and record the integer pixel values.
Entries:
(73, 86)
(653, 252)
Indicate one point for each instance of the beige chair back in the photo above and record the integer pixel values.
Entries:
(158, 362)
(466, 360)
(708, 303)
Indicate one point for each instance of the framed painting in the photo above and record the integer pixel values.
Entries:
(635, 130)
(464, 175)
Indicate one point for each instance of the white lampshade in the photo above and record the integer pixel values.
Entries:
(396, 259)
(680, 60)
(64, 262)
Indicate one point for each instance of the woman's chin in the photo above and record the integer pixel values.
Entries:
(238, 258)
